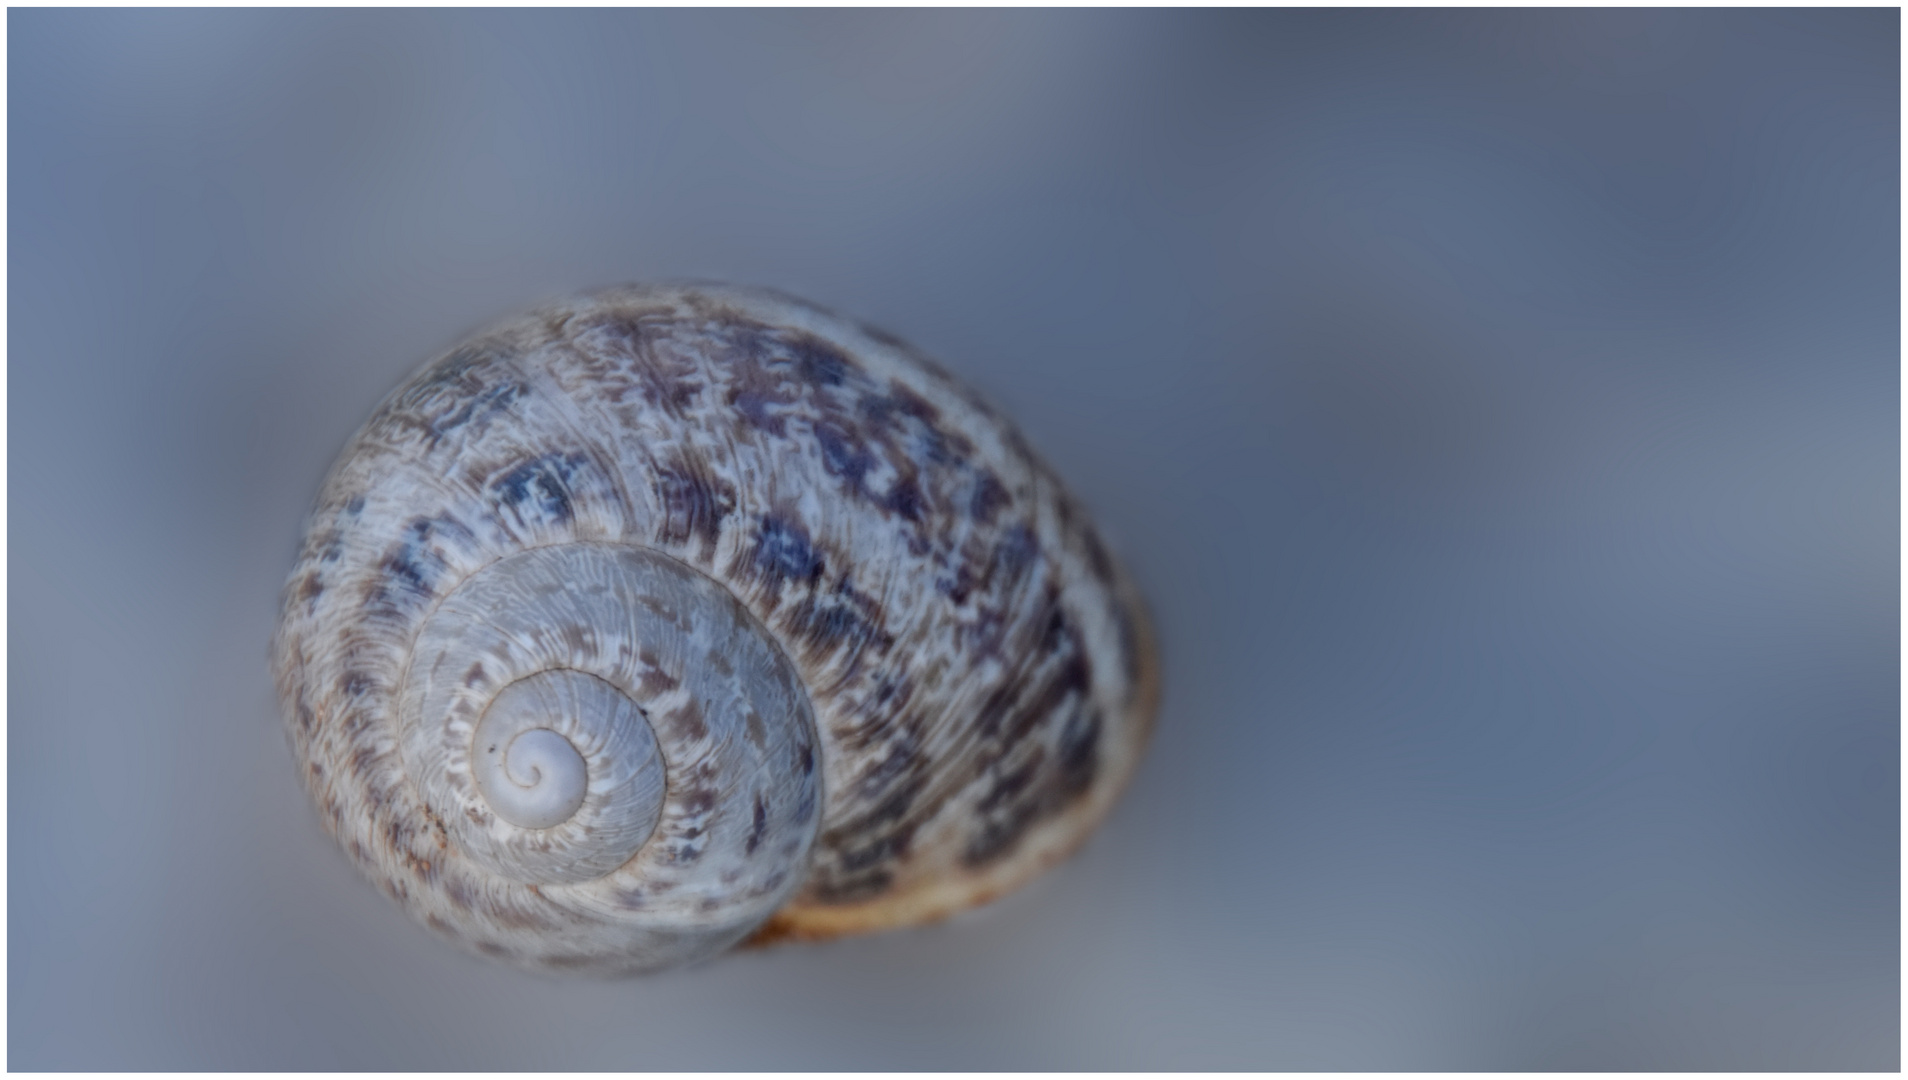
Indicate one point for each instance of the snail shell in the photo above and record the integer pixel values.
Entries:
(672, 615)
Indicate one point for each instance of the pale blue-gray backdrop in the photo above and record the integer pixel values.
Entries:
(1499, 407)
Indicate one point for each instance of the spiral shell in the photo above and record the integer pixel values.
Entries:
(674, 614)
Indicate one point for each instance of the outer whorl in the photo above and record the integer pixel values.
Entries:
(668, 615)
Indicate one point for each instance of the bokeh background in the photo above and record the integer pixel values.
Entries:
(1500, 409)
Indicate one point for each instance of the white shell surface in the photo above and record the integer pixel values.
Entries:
(925, 629)
(529, 775)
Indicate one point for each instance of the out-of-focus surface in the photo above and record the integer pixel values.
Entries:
(1499, 409)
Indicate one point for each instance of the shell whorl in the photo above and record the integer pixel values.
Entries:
(630, 670)
(675, 613)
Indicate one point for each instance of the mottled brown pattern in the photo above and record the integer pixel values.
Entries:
(696, 499)
(978, 664)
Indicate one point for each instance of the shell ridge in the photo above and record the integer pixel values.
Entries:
(565, 402)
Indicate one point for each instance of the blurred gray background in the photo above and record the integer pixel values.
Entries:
(1499, 408)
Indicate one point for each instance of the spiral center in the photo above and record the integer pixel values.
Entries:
(560, 748)
(535, 780)
(696, 738)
